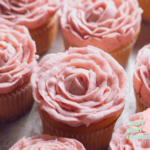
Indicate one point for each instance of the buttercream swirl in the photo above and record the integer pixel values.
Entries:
(106, 24)
(46, 142)
(31, 13)
(137, 139)
(141, 77)
(80, 86)
(17, 56)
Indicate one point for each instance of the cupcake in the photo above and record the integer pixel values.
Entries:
(145, 4)
(80, 94)
(111, 25)
(134, 133)
(46, 142)
(141, 79)
(39, 16)
(17, 63)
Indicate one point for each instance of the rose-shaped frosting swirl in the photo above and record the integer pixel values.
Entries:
(46, 142)
(31, 13)
(17, 56)
(133, 134)
(141, 77)
(106, 24)
(80, 86)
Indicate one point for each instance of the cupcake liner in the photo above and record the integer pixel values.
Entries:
(16, 104)
(98, 140)
(121, 54)
(93, 140)
(45, 35)
(145, 1)
(140, 104)
(145, 4)
(67, 44)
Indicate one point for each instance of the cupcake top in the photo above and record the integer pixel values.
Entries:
(17, 56)
(81, 86)
(31, 13)
(46, 142)
(106, 24)
(141, 77)
(134, 133)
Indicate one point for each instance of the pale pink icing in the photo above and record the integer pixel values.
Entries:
(119, 139)
(146, 117)
(17, 56)
(141, 77)
(80, 86)
(31, 13)
(106, 24)
(46, 142)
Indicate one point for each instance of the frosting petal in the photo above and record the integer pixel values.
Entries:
(141, 77)
(80, 86)
(138, 139)
(17, 56)
(45, 142)
(106, 24)
(31, 13)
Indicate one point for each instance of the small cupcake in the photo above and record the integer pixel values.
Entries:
(141, 79)
(80, 94)
(111, 25)
(39, 16)
(46, 142)
(17, 63)
(134, 133)
(145, 4)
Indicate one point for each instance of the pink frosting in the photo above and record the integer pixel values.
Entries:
(106, 24)
(17, 56)
(146, 117)
(120, 139)
(46, 142)
(31, 13)
(81, 86)
(141, 77)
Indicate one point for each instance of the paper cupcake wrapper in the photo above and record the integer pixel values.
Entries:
(67, 44)
(145, 4)
(45, 35)
(121, 55)
(97, 140)
(145, 1)
(15, 104)
(140, 104)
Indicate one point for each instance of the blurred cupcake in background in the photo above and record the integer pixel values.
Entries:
(17, 63)
(111, 25)
(80, 94)
(141, 79)
(145, 4)
(134, 133)
(46, 142)
(39, 16)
